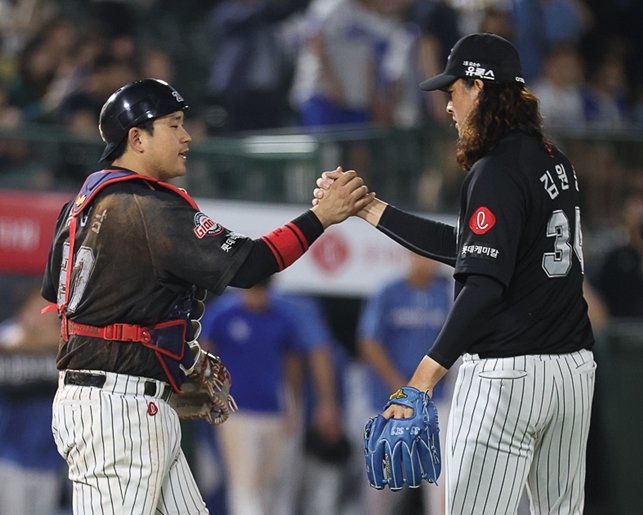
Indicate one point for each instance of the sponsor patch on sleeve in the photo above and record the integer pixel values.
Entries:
(204, 226)
(477, 250)
(482, 220)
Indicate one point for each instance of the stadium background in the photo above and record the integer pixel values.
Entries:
(248, 179)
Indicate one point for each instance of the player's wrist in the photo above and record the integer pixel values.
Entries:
(427, 375)
(372, 212)
(322, 216)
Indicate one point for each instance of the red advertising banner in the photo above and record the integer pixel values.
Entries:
(27, 222)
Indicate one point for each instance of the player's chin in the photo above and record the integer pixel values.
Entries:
(171, 172)
(181, 167)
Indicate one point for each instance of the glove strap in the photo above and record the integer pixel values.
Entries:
(407, 396)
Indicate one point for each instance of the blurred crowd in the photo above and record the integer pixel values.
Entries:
(321, 67)
(258, 64)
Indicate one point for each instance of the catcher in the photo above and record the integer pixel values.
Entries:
(131, 259)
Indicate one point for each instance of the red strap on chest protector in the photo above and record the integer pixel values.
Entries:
(114, 332)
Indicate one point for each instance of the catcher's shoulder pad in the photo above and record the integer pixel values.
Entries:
(96, 182)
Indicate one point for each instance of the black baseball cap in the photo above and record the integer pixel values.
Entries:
(483, 56)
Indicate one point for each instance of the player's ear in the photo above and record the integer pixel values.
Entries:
(478, 84)
(135, 139)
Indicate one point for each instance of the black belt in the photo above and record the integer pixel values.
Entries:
(98, 380)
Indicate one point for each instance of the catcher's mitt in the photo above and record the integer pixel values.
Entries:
(206, 392)
(403, 451)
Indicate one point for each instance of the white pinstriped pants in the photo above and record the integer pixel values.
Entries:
(123, 449)
(516, 421)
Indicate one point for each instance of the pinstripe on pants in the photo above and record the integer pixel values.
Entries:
(121, 458)
(516, 421)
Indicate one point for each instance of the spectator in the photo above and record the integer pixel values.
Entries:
(605, 95)
(20, 21)
(396, 326)
(74, 68)
(497, 21)
(30, 467)
(620, 24)
(79, 113)
(10, 118)
(619, 279)
(107, 73)
(39, 63)
(398, 103)
(337, 79)
(342, 69)
(541, 25)
(250, 73)
(560, 88)
(438, 24)
(36, 69)
(156, 62)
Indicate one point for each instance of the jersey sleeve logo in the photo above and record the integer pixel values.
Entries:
(482, 220)
(205, 226)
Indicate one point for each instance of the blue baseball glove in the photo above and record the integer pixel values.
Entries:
(404, 451)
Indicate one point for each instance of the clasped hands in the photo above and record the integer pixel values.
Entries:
(339, 195)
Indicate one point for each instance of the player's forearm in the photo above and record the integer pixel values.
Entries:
(478, 298)
(278, 249)
(425, 237)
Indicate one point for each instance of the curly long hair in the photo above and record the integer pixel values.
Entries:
(501, 108)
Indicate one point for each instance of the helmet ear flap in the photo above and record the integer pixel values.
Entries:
(133, 104)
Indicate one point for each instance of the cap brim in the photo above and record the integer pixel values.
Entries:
(109, 149)
(438, 82)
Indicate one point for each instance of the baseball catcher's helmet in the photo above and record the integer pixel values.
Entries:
(132, 105)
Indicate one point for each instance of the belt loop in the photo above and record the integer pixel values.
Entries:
(157, 389)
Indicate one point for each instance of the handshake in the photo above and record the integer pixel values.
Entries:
(339, 195)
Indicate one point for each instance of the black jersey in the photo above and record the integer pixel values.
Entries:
(139, 248)
(520, 224)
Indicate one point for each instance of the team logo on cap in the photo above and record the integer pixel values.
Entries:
(482, 220)
(474, 69)
(205, 226)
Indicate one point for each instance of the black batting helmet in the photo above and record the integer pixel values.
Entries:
(132, 105)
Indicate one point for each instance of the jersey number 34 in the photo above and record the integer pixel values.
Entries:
(559, 262)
